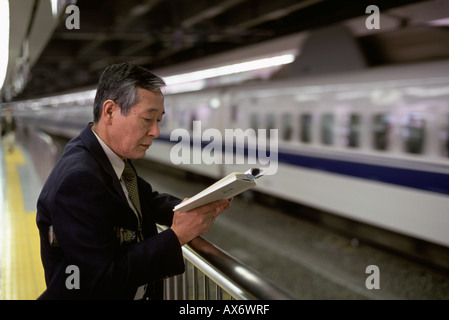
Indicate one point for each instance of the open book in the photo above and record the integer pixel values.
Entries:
(228, 187)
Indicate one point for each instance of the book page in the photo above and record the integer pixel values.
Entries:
(226, 188)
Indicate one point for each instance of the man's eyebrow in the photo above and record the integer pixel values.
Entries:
(154, 110)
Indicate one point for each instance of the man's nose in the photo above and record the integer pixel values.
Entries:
(154, 130)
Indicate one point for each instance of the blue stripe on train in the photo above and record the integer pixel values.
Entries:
(423, 180)
(429, 181)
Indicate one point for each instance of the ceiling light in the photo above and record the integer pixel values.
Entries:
(444, 22)
(54, 7)
(230, 69)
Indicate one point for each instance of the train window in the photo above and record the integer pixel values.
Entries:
(327, 129)
(381, 131)
(255, 122)
(353, 133)
(305, 123)
(271, 123)
(287, 127)
(193, 118)
(181, 118)
(414, 134)
(445, 140)
(234, 113)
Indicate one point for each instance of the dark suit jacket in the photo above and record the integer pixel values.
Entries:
(84, 202)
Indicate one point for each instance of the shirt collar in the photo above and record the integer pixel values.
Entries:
(117, 163)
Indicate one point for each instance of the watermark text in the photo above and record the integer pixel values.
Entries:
(73, 20)
(373, 20)
(236, 146)
(373, 280)
(73, 280)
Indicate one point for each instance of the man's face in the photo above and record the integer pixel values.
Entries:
(130, 136)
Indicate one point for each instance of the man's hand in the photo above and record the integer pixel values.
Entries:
(191, 224)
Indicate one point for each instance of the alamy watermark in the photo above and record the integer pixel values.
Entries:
(73, 280)
(373, 280)
(237, 146)
(373, 20)
(73, 20)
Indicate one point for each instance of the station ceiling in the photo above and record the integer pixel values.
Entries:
(160, 33)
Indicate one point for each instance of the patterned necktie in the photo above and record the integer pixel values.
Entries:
(130, 178)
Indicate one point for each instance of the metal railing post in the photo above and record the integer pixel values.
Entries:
(231, 276)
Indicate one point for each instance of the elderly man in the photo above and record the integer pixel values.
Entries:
(97, 217)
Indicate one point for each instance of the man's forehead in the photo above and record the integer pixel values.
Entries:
(151, 101)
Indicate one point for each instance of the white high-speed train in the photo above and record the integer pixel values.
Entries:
(371, 145)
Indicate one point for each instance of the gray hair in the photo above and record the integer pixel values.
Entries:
(119, 82)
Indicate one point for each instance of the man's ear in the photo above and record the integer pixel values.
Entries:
(109, 109)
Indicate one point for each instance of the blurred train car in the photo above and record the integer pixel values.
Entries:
(371, 145)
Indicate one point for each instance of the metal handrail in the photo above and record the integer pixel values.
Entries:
(237, 280)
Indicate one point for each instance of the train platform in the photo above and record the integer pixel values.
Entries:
(21, 271)
(307, 261)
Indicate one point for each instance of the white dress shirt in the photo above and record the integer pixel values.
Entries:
(118, 165)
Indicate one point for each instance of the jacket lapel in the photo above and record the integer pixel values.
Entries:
(95, 149)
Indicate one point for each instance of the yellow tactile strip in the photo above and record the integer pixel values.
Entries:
(22, 274)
